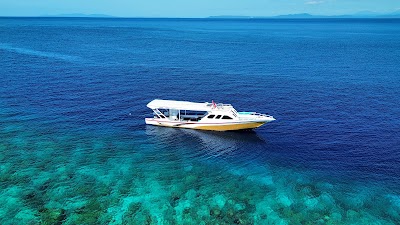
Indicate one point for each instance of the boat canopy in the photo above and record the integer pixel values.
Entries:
(179, 105)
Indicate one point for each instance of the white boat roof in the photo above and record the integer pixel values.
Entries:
(181, 105)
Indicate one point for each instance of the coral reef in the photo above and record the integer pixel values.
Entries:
(86, 180)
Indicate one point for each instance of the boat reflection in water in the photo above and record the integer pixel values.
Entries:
(243, 154)
(211, 144)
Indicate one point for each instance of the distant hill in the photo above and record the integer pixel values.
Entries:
(362, 14)
(230, 17)
(395, 14)
(370, 14)
(80, 15)
(300, 15)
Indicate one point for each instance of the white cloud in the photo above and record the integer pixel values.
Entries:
(314, 2)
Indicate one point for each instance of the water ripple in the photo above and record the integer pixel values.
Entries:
(26, 51)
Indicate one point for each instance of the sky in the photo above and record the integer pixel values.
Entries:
(193, 8)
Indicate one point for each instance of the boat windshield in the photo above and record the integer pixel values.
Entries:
(182, 115)
(189, 115)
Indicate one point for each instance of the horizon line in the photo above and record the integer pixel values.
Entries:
(359, 14)
(289, 16)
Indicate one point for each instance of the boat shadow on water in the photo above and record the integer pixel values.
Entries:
(211, 144)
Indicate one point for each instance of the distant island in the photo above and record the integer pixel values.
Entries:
(80, 15)
(363, 14)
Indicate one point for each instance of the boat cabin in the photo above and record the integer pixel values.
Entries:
(192, 112)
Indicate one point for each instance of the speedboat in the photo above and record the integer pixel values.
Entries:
(203, 116)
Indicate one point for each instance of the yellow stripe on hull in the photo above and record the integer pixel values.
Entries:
(230, 127)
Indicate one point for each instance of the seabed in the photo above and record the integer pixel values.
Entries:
(60, 179)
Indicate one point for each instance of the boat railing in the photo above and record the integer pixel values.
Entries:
(254, 114)
(220, 106)
(159, 114)
(261, 114)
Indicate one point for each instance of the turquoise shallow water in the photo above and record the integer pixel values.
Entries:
(55, 178)
(74, 148)
(152, 178)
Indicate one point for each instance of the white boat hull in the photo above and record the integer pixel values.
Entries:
(237, 125)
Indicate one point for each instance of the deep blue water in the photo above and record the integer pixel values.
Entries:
(73, 95)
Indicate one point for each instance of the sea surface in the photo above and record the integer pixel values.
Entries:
(74, 148)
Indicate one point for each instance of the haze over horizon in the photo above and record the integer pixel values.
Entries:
(189, 9)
